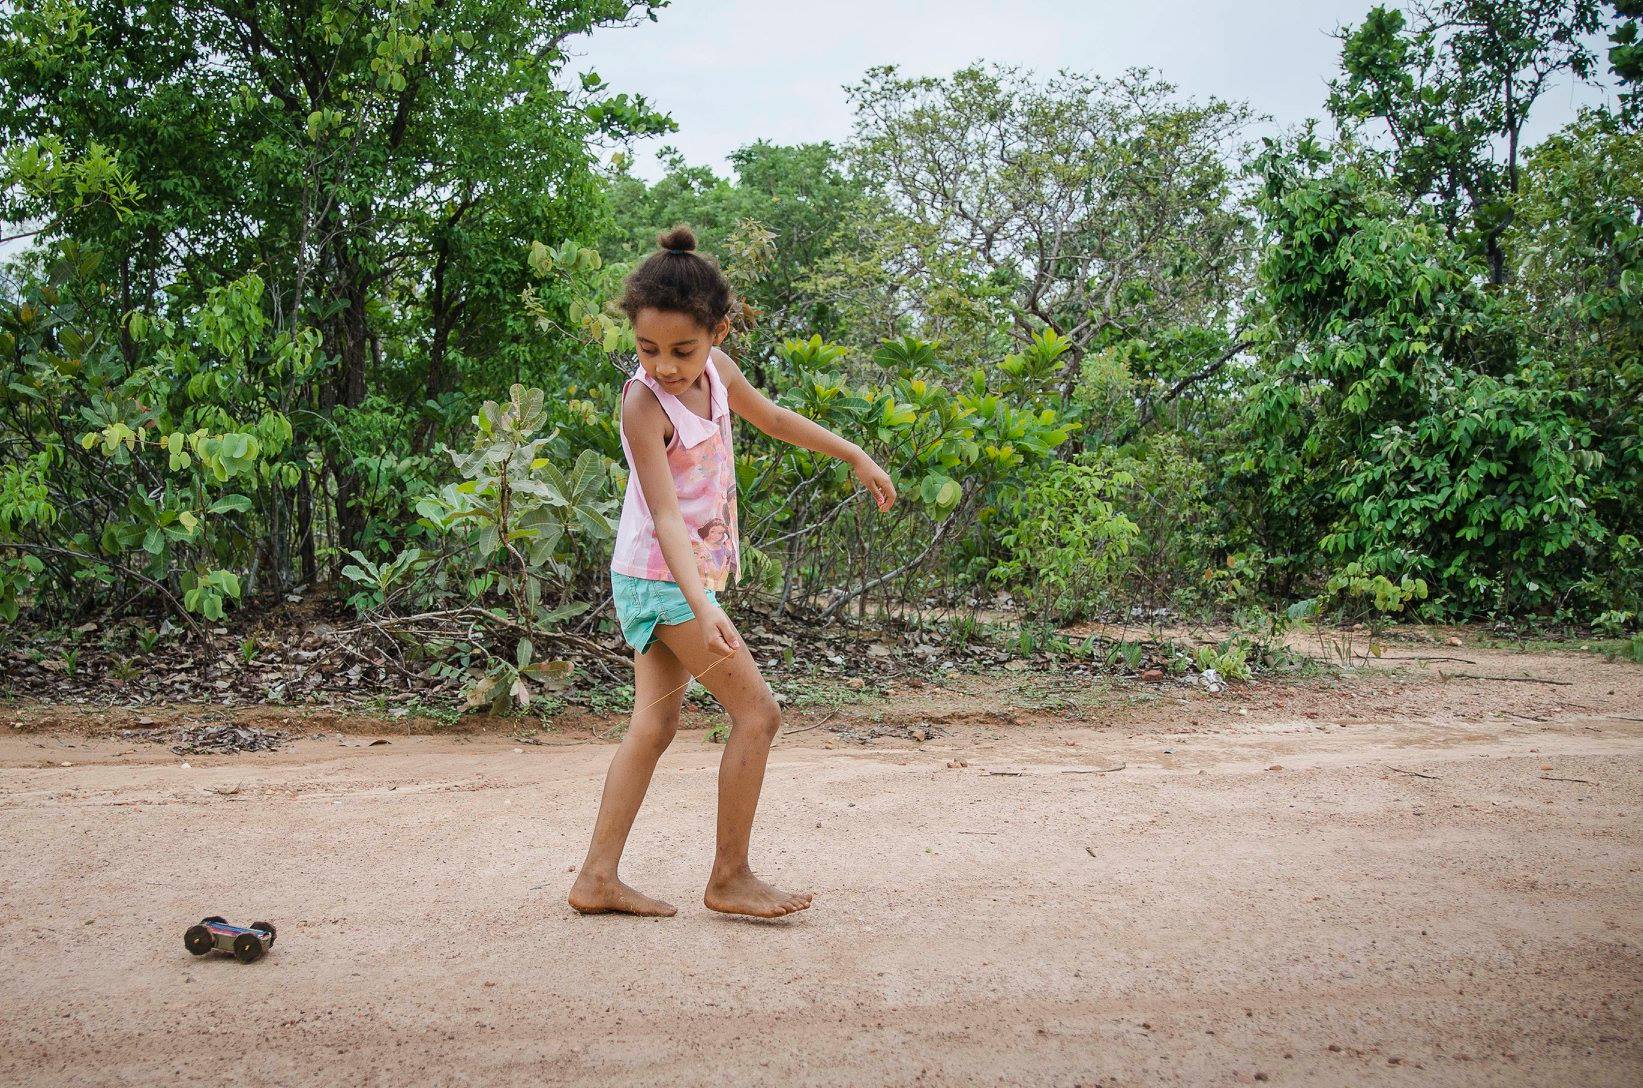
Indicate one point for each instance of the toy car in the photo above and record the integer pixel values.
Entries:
(215, 934)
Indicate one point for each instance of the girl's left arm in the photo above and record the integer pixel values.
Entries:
(788, 426)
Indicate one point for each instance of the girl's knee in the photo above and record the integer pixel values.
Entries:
(652, 734)
(762, 720)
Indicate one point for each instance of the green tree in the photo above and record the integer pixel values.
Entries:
(1579, 228)
(1626, 53)
(1453, 86)
(1399, 426)
(1103, 210)
(376, 171)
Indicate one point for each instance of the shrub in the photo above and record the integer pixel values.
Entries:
(1067, 548)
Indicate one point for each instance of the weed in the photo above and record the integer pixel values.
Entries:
(1130, 653)
(827, 693)
(607, 697)
(549, 706)
(442, 714)
(1230, 659)
(1614, 622)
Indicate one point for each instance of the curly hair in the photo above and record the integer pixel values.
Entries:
(679, 279)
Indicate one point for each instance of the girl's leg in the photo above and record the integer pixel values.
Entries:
(755, 717)
(659, 683)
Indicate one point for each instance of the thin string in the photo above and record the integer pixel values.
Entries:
(686, 684)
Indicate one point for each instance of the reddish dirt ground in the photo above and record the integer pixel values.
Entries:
(1400, 878)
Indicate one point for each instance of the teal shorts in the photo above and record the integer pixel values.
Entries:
(644, 603)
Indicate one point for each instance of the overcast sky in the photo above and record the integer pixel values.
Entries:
(733, 71)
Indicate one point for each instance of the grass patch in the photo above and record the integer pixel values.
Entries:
(1052, 693)
(1614, 649)
(828, 694)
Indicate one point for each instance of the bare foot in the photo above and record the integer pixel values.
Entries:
(744, 893)
(604, 895)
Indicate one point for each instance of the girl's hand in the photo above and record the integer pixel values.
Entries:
(722, 638)
(876, 481)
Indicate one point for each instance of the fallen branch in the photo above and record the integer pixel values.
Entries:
(1096, 770)
(1416, 774)
(1513, 679)
(808, 728)
(1554, 778)
(1004, 774)
(1462, 660)
(440, 624)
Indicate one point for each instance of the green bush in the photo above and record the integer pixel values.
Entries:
(1066, 547)
(1397, 424)
(1165, 493)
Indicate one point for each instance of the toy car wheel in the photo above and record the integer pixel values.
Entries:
(221, 921)
(247, 949)
(267, 927)
(199, 940)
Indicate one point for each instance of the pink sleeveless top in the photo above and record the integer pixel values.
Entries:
(704, 474)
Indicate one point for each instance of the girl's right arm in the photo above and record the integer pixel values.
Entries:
(644, 423)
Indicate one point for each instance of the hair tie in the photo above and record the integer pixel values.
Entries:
(670, 249)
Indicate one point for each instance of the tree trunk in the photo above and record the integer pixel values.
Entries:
(351, 341)
(305, 530)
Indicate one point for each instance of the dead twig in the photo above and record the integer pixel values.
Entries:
(1462, 660)
(1096, 770)
(1004, 774)
(1554, 778)
(1416, 774)
(1510, 679)
(808, 728)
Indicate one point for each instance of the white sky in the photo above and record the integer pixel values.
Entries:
(733, 71)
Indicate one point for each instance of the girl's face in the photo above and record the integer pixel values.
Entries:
(673, 346)
(717, 534)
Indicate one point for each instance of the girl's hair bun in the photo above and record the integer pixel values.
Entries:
(679, 239)
(696, 287)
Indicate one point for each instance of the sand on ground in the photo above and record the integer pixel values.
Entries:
(1403, 879)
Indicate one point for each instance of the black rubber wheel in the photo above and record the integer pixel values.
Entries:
(221, 921)
(267, 927)
(247, 949)
(199, 940)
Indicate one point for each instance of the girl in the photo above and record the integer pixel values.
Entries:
(676, 546)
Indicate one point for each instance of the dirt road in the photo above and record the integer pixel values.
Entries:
(1397, 880)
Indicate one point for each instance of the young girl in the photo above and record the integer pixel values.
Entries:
(675, 547)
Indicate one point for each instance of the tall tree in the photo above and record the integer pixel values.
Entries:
(1453, 86)
(1104, 210)
(381, 168)
(1626, 54)
(1579, 228)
